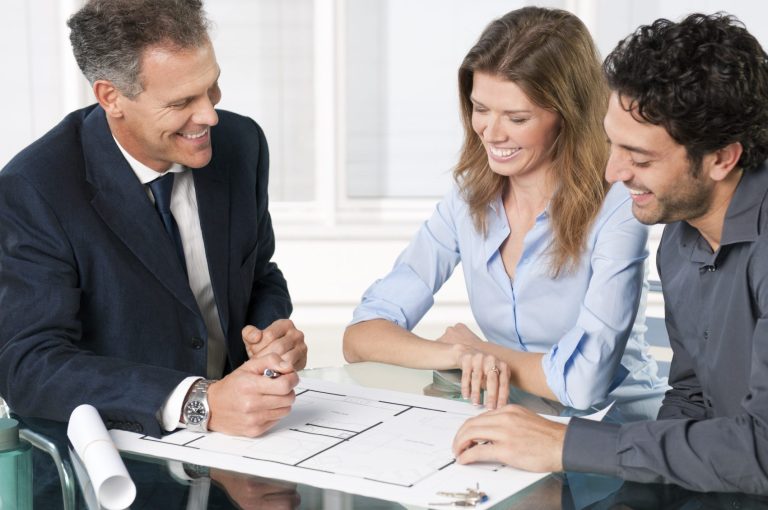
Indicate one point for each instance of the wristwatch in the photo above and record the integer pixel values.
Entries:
(196, 410)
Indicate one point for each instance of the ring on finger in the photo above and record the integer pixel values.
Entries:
(494, 369)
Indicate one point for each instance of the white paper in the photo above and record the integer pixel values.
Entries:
(109, 478)
(381, 444)
(91, 501)
(596, 416)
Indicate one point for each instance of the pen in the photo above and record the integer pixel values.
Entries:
(268, 372)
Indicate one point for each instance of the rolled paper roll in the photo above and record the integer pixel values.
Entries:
(110, 479)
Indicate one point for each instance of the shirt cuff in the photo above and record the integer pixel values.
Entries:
(585, 451)
(401, 297)
(171, 410)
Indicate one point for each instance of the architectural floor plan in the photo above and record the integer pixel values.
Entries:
(377, 443)
(388, 442)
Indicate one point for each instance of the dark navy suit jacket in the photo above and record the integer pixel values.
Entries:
(94, 306)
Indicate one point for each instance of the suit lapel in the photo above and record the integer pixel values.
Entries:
(123, 204)
(213, 202)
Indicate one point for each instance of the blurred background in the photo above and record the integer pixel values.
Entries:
(358, 99)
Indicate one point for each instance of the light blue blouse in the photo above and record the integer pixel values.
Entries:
(583, 321)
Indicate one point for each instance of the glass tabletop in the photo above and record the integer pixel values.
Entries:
(165, 484)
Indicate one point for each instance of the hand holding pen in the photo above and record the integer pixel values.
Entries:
(246, 403)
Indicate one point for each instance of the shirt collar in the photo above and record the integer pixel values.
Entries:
(498, 226)
(142, 171)
(742, 219)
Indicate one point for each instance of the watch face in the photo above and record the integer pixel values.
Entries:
(195, 412)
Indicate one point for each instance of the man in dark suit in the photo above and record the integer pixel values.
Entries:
(136, 243)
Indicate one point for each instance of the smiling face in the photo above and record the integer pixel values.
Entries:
(665, 186)
(170, 120)
(517, 134)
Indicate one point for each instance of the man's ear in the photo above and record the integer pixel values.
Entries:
(108, 97)
(724, 160)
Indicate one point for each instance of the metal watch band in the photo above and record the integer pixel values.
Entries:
(196, 410)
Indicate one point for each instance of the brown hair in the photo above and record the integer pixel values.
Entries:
(550, 55)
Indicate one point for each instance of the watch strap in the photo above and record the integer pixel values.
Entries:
(198, 394)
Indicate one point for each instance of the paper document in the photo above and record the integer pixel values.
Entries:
(111, 483)
(377, 443)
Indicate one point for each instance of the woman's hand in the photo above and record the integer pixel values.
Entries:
(460, 334)
(480, 370)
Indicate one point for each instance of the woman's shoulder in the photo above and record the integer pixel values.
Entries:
(617, 205)
(618, 197)
(616, 212)
(455, 200)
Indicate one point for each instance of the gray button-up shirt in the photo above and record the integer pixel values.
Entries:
(712, 432)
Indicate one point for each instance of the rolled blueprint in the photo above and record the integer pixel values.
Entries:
(110, 479)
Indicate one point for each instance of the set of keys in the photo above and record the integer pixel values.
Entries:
(468, 498)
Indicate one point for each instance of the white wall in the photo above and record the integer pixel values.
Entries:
(41, 81)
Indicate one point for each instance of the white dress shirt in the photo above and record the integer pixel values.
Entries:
(184, 209)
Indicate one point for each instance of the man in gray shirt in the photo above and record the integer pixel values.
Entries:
(688, 126)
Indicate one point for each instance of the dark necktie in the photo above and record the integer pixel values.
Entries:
(161, 189)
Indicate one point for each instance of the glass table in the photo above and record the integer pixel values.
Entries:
(161, 484)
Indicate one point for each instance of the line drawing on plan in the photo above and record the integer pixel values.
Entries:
(380, 441)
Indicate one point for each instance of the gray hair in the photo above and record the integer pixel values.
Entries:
(109, 36)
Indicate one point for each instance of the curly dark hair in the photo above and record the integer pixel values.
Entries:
(109, 36)
(704, 79)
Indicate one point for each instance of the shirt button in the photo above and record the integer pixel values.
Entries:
(706, 334)
(197, 344)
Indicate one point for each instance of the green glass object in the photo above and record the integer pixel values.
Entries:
(15, 468)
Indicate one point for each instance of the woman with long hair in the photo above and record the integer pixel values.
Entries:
(552, 257)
